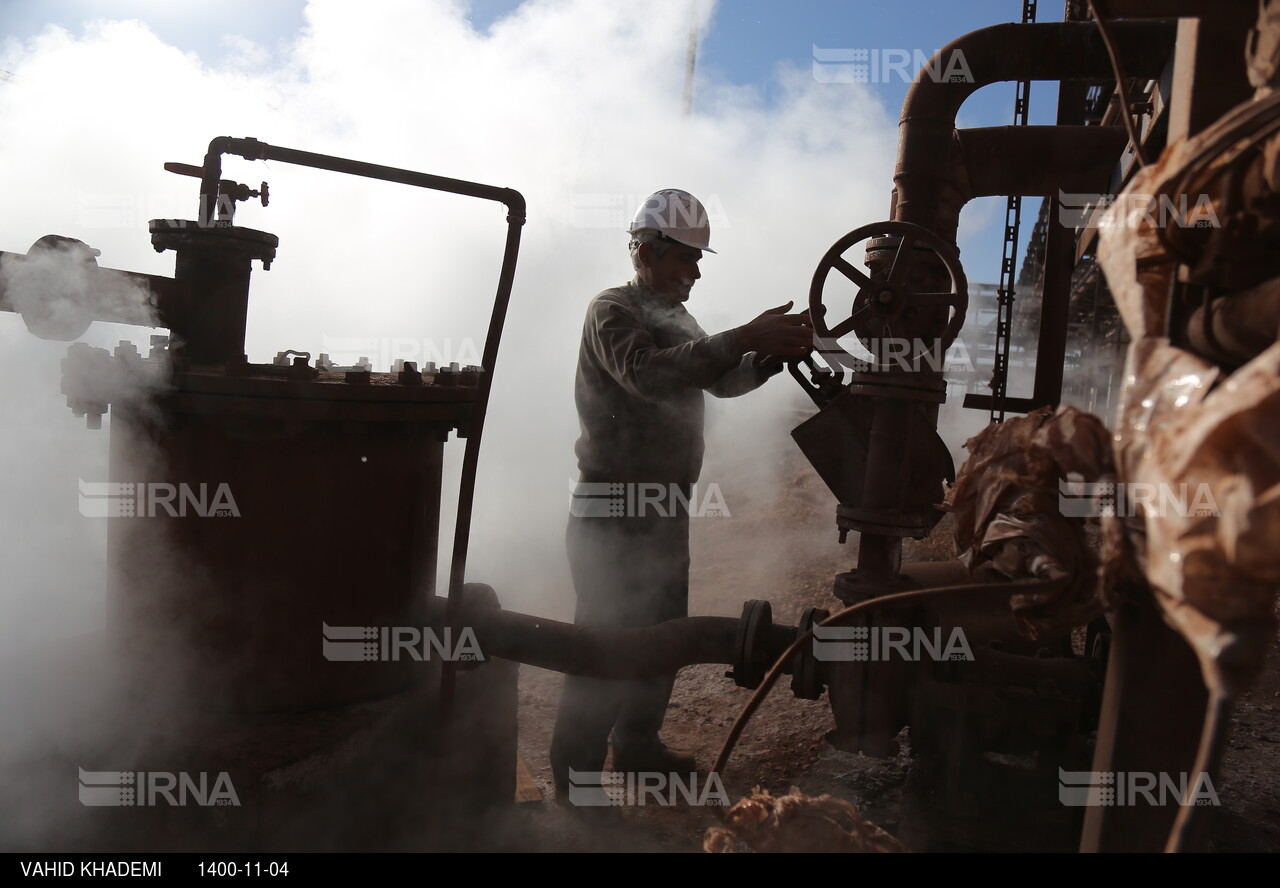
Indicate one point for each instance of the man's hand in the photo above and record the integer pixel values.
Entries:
(777, 333)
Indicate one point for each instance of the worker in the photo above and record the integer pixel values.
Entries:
(643, 365)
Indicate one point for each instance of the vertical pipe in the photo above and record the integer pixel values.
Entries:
(1059, 260)
(470, 460)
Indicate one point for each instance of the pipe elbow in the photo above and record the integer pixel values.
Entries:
(515, 204)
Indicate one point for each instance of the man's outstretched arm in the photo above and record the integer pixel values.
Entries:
(726, 364)
(624, 346)
(768, 342)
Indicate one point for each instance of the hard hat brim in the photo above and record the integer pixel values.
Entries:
(676, 240)
(687, 244)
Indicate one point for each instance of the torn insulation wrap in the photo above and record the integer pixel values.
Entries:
(1006, 505)
(1200, 443)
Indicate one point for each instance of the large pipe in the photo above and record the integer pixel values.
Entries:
(598, 651)
(1050, 51)
(603, 652)
(1038, 161)
(1133, 9)
(120, 311)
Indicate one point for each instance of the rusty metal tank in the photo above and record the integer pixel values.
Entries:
(267, 503)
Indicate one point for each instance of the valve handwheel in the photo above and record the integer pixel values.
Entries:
(887, 298)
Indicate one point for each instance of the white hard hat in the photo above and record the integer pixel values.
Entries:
(676, 215)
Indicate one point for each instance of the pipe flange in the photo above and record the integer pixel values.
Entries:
(751, 652)
(809, 678)
(179, 234)
(57, 278)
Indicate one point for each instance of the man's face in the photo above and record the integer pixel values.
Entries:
(674, 273)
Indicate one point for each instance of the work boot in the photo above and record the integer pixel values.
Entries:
(584, 797)
(655, 758)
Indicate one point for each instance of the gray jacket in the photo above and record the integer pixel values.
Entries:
(642, 369)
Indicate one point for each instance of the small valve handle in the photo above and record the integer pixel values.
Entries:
(234, 190)
(823, 386)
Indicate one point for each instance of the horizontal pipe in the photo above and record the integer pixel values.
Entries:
(1039, 161)
(1046, 51)
(1050, 51)
(252, 149)
(603, 652)
(1132, 9)
(112, 311)
(600, 651)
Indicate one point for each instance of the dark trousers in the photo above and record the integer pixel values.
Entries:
(627, 572)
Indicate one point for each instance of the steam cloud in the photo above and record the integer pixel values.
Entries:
(576, 104)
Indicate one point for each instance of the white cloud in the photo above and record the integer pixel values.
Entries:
(565, 100)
